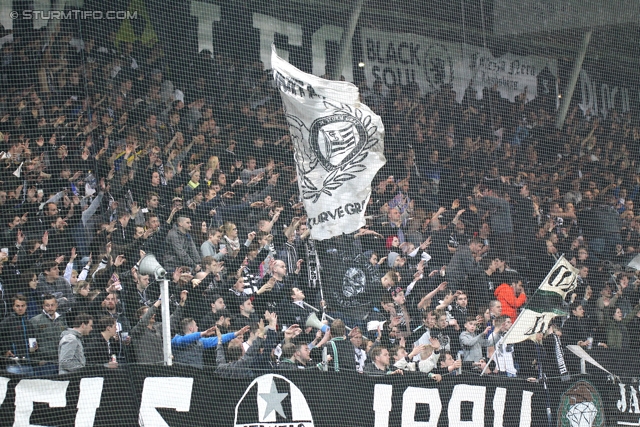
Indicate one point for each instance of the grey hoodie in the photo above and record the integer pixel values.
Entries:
(70, 352)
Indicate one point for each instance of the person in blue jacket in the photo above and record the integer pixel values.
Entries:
(188, 349)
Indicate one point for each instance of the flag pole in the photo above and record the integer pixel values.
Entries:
(490, 359)
(543, 377)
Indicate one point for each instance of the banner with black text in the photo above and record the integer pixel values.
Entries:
(404, 58)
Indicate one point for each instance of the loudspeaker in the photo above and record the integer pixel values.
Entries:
(314, 322)
(150, 265)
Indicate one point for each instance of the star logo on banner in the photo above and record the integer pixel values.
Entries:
(274, 401)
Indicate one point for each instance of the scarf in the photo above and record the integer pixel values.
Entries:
(163, 179)
(233, 244)
(564, 374)
(292, 257)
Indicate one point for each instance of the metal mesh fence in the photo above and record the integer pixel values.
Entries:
(278, 213)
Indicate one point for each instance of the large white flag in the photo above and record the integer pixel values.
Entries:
(338, 148)
(545, 304)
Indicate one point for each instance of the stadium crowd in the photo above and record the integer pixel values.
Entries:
(107, 155)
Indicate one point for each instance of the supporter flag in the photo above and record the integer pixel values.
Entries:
(18, 172)
(338, 144)
(545, 304)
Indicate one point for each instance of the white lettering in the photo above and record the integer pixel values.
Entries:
(382, 404)
(589, 100)
(604, 89)
(4, 382)
(411, 397)
(88, 401)
(46, 391)
(319, 50)
(499, 400)
(206, 14)
(169, 392)
(40, 14)
(633, 402)
(525, 409)
(39, 20)
(621, 404)
(625, 100)
(269, 27)
(467, 393)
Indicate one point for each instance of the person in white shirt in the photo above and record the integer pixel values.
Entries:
(503, 356)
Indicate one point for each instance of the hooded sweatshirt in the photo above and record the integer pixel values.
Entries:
(70, 352)
(510, 303)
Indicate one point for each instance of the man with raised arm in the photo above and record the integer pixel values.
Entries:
(189, 347)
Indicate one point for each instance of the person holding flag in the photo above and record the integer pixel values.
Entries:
(535, 319)
(511, 296)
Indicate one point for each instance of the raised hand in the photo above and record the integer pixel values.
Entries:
(261, 330)
(242, 331)
(20, 238)
(435, 344)
(292, 331)
(424, 245)
(417, 350)
(120, 259)
(208, 332)
(134, 209)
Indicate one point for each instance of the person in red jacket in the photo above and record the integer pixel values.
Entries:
(512, 297)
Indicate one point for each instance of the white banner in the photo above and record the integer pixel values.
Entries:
(535, 16)
(599, 98)
(545, 304)
(562, 279)
(338, 148)
(403, 58)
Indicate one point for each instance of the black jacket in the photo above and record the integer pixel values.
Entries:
(98, 351)
(294, 314)
(344, 354)
(15, 332)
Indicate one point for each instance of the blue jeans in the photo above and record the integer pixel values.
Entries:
(20, 370)
(46, 370)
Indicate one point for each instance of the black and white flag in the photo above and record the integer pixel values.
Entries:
(545, 304)
(338, 145)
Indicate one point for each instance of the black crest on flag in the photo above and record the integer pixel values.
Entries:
(338, 143)
(337, 139)
(350, 281)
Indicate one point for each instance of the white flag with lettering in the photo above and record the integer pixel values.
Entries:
(338, 145)
(545, 304)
